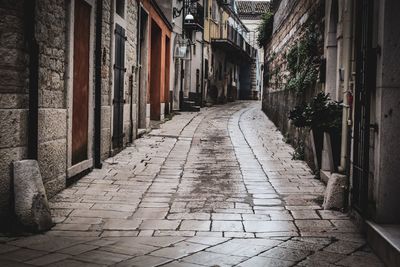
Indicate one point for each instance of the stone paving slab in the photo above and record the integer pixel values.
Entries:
(214, 188)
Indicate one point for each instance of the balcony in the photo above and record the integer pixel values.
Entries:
(197, 11)
(215, 30)
(233, 42)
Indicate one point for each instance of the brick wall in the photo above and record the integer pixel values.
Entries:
(290, 20)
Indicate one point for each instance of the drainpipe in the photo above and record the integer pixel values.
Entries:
(131, 105)
(347, 40)
(137, 69)
(134, 70)
(33, 51)
(202, 59)
(202, 70)
(97, 94)
(181, 86)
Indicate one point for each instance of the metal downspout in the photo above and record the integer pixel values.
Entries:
(202, 60)
(348, 37)
(136, 70)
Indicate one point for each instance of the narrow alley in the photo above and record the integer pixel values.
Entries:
(199, 133)
(213, 188)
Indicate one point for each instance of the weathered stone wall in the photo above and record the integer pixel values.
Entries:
(52, 34)
(131, 89)
(52, 147)
(130, 81)
(13, 96)
(106, 68)
(290, 22)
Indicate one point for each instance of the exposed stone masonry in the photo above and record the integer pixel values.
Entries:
(51, 37)
(13, 95)
(53, 22)
(289, 27)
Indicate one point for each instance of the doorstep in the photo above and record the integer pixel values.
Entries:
(325, 175)
(385, 241)
(142, 132)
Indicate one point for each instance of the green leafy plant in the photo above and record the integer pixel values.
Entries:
(286, 138)
(321, 113)
(299, 151)
(265, 28)
(303, 62)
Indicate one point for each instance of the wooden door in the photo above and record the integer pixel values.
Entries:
(80, 109)
(119, 73)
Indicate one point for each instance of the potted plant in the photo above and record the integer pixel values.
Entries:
(320, 115)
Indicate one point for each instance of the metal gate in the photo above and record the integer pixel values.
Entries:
(118, 101)
(365, 83)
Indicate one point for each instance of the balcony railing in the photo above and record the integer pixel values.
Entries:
(215, 30)
(197, 11)
(235, 37)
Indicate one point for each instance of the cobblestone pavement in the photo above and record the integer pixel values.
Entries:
(215, 188)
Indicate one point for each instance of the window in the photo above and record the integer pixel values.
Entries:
(206, 8)
(194, 48)
(214, 10)
(120, 7)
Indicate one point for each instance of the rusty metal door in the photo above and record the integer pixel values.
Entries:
(80, 109)
(118, 101)
(365, 83)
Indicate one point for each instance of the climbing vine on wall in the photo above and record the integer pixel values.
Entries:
(303, 61)
(265, 28)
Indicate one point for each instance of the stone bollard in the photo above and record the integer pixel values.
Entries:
(31, 206)
(335, 192)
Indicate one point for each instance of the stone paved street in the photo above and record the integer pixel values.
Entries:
(214, 188)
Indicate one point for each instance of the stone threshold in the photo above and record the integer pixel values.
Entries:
(385, 241)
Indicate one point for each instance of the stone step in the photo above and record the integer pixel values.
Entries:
(385, 241)
(188, 102)
(191, 108)
(189, 105)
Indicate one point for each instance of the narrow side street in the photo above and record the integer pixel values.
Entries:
(214, 188)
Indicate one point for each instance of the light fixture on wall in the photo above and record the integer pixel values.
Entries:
(181, 49)
(189, 18)
(189, 10)
(176, 13)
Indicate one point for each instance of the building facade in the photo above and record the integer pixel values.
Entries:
(250, 13)
(365, 52)
(154, 61)
(76, 87)
(356, 68)
(82, 79)
(229, 53)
